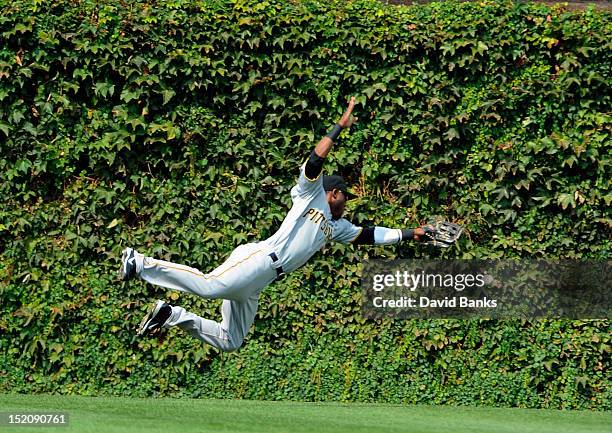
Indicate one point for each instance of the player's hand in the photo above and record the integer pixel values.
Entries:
(423, 234)
(347, 119)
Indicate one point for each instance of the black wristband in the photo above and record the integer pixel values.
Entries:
(335, 132)
(407, 234)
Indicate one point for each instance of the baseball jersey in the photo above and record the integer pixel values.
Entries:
(309, 225)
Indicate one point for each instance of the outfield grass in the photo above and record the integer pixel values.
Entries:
(129, 415)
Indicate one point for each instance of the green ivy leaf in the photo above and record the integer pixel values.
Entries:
(168, 94)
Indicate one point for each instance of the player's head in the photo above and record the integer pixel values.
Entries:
(337, 194)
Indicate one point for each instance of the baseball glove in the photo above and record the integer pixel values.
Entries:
(442, 234)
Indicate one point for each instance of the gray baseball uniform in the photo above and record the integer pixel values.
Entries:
(251, 267)
(240, 279)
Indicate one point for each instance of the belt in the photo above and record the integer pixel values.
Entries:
(279, 271)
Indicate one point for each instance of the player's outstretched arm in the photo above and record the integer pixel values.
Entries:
(348, 233)
(345, 121)
(314, 164)
(442, 234)
(385, 236)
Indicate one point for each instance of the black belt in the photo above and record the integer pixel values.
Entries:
(279, 271)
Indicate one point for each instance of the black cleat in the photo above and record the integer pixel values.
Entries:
(155, 318)
(128, 265)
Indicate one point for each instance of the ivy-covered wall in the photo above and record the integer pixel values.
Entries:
(177, 127)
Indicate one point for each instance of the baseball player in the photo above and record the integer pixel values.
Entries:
(314, 219)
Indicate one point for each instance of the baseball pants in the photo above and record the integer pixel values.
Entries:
(238, 281)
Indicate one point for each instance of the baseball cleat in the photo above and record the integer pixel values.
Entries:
(128, 265)
(155, 318)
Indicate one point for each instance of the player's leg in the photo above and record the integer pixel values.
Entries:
(246, 270)
(226, 335)
(228, 281)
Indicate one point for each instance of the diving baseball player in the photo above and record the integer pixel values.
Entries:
(314, 219)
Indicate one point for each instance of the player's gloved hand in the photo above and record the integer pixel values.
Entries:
(440, 234)
(347, 118)
(424, 234)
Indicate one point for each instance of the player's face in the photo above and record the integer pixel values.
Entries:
(336, 200)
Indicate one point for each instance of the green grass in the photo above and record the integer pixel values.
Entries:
(129, 415)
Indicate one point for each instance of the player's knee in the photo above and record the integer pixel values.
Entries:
(232, 345)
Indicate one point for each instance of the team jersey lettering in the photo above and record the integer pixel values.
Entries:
(308, 225)
(315, 216)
